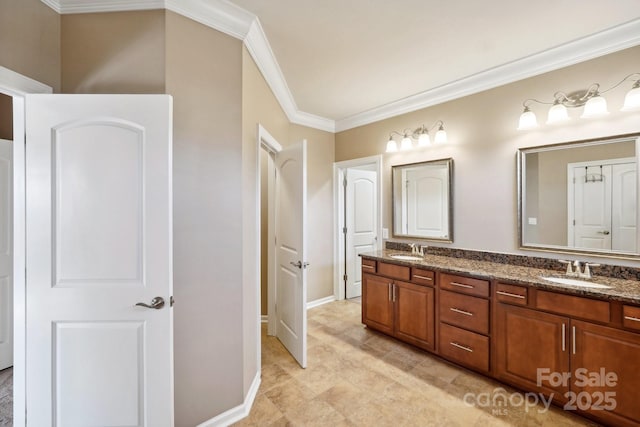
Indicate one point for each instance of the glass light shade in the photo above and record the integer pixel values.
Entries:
(557, 113)
(595, 107)
(632, 99)
(441, 136)
(392, 146)
(527, 120)
(424, 139)
(406, 143)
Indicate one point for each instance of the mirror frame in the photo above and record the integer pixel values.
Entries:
(520, 182)
(448, 162)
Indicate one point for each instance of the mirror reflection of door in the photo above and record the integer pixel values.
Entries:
(425, 195)
(602, 205)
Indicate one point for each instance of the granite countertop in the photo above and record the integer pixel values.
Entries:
(621, 289)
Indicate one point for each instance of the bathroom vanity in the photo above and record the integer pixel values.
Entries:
(578, 344)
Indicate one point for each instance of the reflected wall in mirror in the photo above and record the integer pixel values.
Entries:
(580, 197)
(422, 200)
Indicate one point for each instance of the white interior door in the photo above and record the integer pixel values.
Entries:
(592, 207)
(6, 258)
(361, 223)
(291, 262)
(623, 217)
(427, 197)
(98, 221)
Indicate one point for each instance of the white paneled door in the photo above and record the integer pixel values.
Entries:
(361, 223)
(291, 262)
(99, 241)
(6, 258)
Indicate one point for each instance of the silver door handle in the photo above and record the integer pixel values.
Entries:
(299, 264)
(605, 232)
(156, 303)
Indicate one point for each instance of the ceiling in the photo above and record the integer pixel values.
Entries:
(343, 58)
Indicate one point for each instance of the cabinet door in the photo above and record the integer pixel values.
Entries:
(531, 349)
(377, 307)
(613, 357)
(414, 314)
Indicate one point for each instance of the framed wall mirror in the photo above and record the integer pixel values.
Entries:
(580, 197)
(422, 200)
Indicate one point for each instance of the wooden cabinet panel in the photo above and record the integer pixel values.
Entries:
(467, 348)
(414, 314)
(602, 352)
(399, 272)
(631, 317)
(368, 265)
(527, 340)
(574, 306)
(512, 294)
(464, 284)
(423, 277)
(465, 311)
(377, 307)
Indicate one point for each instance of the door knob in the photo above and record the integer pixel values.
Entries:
(156, 303)
(605, 232)
(299, 264)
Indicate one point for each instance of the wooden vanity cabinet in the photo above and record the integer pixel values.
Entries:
(395, 306)
(530, 338)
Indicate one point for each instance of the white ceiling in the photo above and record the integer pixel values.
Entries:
(344, 58)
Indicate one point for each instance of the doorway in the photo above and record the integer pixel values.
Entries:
(358, 219)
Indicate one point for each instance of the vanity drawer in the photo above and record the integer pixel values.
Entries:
(574, 306)
(631, 317)
(395, 271)
(511, 294)
(466, 285)
(368, 265)
(465, 311)
(464, 347)
(423, 277)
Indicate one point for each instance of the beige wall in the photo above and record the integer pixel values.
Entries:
(484, 140)
(6, 117)
(30, 40)
(118, 52)
(204, 76)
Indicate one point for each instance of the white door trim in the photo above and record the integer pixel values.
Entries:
(338, 218)
(18, 86)
(269, 143)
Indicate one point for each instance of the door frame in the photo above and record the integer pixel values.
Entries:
(18, 87)
(267, 142)
(339, 169)
(571, 189)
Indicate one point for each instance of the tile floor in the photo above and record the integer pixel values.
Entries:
(358, 377)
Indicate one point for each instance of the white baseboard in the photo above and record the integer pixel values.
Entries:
(239, 412)
(320, 301)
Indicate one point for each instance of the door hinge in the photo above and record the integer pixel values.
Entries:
(344, 181)
(171, 301)
(574, 222)
(344, 277)
(344, 230)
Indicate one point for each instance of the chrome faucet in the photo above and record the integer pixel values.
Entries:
(575, 269)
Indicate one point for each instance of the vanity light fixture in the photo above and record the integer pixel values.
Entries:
(420, 134)
(595, 105)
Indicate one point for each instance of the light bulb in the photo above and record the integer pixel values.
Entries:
(406, 143)
(441, 136)
(595, 107)
(392, 146)
(632, 99)
(424, 139)
(557, 113)
(527, 120)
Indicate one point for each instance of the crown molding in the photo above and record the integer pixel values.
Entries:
(220, 15)
(571, 53)
(260, 50)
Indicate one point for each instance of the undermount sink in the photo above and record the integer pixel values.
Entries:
(406, 257)
(575, 282)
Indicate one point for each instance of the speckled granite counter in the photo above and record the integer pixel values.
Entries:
(621, 289)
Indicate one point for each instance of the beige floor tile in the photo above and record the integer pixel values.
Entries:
(359, 377)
